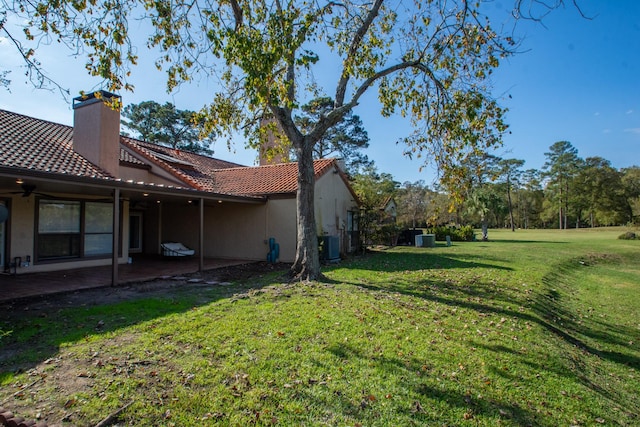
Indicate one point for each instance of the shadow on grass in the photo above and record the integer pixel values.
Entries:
(547, 308)
(552, 307)
(515, 241)
(421, 259)
(33, 331)
(430, 393)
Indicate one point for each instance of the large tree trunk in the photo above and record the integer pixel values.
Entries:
(307, 263)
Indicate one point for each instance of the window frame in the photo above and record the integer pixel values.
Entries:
(81, 235)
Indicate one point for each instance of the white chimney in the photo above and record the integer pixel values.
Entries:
(96, 129)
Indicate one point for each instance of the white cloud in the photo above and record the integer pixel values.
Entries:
(606, 131)
(633, 130)
(629, 112)
(596, 114)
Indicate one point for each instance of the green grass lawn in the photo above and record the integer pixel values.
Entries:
(537, 328)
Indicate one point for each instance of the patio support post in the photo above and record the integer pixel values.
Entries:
(201, 237)
(116, 237)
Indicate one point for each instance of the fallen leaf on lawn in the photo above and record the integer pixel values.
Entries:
(417, 407)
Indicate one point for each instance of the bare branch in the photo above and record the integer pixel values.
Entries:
(34, 71)
(353, 49)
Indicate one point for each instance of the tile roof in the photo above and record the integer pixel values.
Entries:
(271, 179)
(127, 157)
(39, 145)
(43, 146)
(203, 163)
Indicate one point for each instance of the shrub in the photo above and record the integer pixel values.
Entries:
(463, 233)
(628, 236)
(386, 234)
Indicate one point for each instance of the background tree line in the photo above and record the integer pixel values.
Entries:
(567, 192)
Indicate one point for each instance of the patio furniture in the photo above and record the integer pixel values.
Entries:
(175, 249)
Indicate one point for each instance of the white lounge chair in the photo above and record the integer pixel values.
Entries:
(173, 249)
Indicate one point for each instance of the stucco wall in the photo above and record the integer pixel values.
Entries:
(236, 230)
(22, 220)
(155, 175)
(282, 226)
(332, 201)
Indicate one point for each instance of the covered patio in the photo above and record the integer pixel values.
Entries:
(143, 268)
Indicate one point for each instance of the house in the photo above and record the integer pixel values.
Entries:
(388, 211)
(86, 196)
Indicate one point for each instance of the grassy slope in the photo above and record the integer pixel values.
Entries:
(531, 328)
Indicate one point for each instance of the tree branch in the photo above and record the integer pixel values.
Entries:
(237, 13)
(353, 49)
(33, 67)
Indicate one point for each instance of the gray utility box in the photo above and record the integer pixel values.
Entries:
(426, 240)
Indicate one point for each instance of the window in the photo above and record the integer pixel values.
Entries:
(74, 229)
(58, 229)
(98, 228)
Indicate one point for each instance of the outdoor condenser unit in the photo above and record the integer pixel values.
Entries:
(330, 248)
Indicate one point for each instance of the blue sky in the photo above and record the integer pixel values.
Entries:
(577, 79)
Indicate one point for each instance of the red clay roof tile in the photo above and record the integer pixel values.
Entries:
(272, 179)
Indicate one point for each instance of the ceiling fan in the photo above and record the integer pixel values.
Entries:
(28, 190)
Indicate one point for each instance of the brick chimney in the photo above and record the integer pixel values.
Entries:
(272, 150)
(96, 129)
